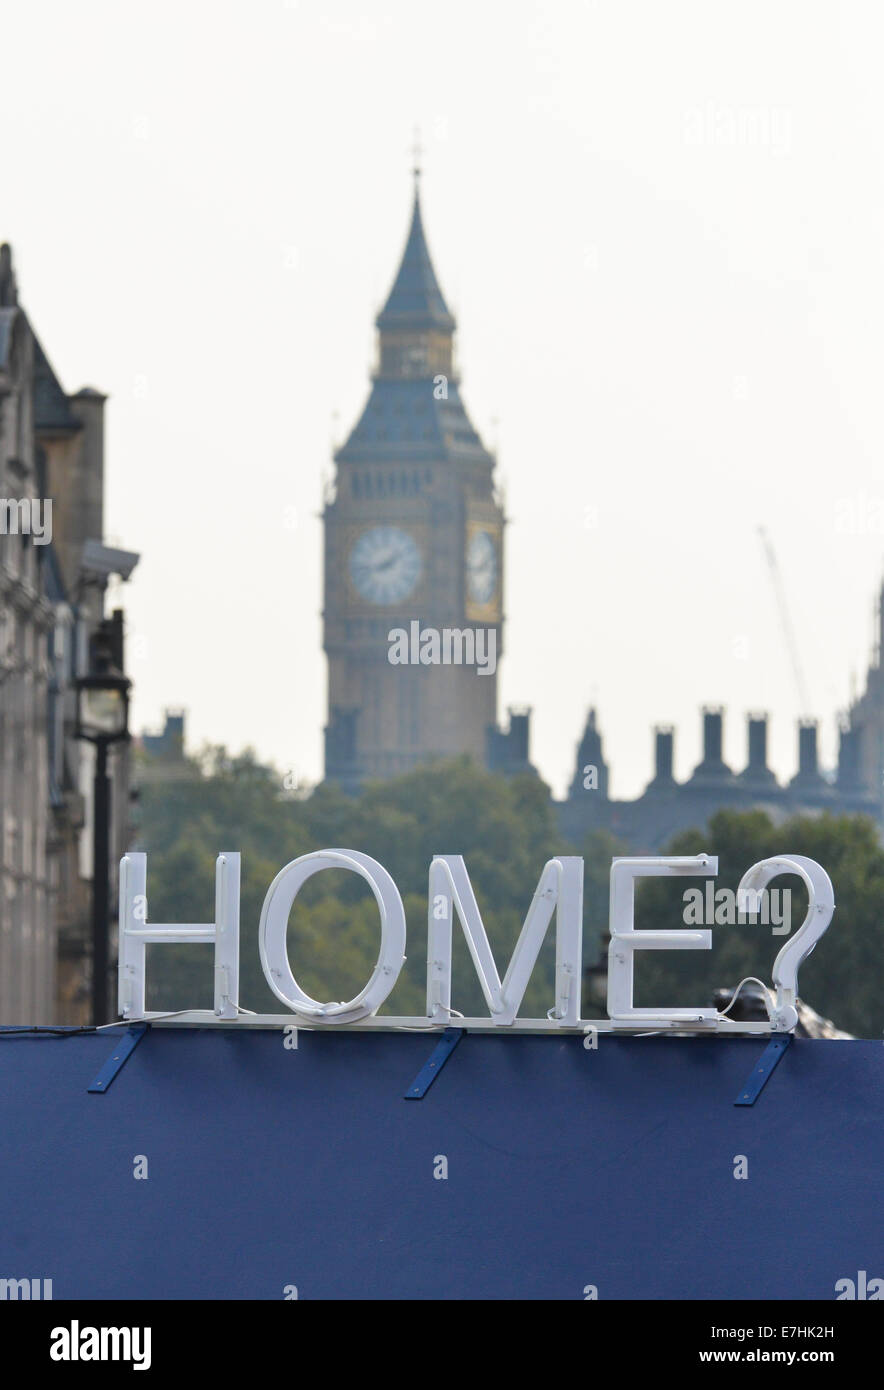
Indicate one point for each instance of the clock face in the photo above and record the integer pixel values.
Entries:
(481, 567)
(385, 564)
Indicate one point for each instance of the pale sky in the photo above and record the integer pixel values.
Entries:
(661, 227)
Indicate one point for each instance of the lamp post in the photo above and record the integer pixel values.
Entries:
(102, 719)
(595, 977)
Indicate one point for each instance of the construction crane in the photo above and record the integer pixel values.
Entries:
(788, 630)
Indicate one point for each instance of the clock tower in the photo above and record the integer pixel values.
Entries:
(413, 615)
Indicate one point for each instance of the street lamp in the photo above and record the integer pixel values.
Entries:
(102, 719)
(595, 977)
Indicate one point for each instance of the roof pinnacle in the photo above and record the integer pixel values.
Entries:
(416, 151)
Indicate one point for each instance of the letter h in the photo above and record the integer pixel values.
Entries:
(135, 935)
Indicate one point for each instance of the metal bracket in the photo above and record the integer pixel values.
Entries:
(432, 1067)
(119, 1057)
(763, 1070)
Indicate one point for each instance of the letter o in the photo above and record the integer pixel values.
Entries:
(274, 920)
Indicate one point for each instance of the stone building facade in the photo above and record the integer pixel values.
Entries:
(27, 618)
(51, 617)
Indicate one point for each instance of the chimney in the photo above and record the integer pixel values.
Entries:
(756, 772)
(520, 734)
(663, 750)
(712, 725)
(808, 779)
(713, 765)
(757, 743)
(848, 759)
(508, 750)
(807, 748)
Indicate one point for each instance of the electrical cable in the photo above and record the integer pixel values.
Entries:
(750, 979)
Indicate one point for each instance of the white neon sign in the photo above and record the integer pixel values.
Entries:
(626, 939)
(559, 894)
(560, 890)
(274, 921)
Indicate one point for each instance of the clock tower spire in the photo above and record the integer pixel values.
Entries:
(414, 544)
(415, 326)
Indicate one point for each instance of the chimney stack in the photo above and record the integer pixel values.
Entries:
(712, 730)
(809, 779)
(663, 750)
(807, 748)
(758, 742)
(756, 771)
(848, 760)
(713, 765)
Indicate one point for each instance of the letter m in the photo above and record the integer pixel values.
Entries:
(116, 1344)
(559, 891)
(15, 516)
(21, 1288)
(460, 646)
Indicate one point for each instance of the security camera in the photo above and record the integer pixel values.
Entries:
(100, 561)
